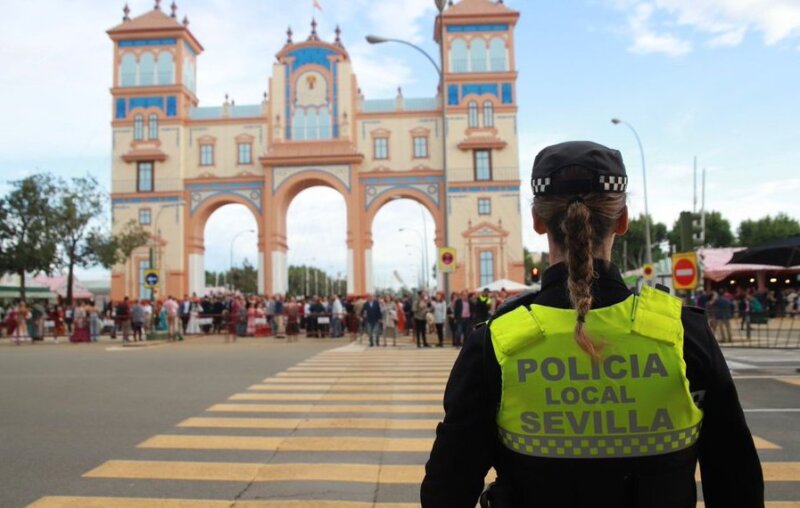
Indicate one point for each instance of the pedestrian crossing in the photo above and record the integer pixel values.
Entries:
(362, 420)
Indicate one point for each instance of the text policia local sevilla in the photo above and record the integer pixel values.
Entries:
(600, 421)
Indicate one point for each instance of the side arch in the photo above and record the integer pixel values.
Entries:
(414, 195)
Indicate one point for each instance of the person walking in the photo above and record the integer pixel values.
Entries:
(464, 309)
(137, 320)
(124, 318)
(171, 308)
(439, 316)
(723, 310)
(420, 319)
(585, 394)
(372, 317)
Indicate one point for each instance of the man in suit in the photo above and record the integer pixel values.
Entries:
(185, 312)
(373, 316)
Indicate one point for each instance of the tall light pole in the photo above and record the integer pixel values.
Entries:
(647, 243)
(152, 256)
(374, 39)
(421, 279)
(423, 254)
(233, 240)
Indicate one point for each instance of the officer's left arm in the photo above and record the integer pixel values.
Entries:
(729, 465)
(463, 451)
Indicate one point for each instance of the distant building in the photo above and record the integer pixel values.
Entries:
(314, 127)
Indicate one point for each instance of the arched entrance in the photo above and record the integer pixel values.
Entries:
(405, 221)
(224, 238)
(316, 223)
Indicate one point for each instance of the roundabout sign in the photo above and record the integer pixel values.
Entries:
(151, 279)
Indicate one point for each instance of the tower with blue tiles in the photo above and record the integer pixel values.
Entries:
(483, 177)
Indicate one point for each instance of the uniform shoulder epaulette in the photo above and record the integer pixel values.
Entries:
(694, 310)
(523, 299)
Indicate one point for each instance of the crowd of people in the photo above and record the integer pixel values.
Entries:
(378, 318)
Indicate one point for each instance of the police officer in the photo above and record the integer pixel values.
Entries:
(585, 394)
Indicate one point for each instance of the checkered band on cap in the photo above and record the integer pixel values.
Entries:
(593, 447)
(540, 185)
(614, 183)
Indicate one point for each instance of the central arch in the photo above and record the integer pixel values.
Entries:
(285, 192)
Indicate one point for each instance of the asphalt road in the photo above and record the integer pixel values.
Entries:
(102, 426)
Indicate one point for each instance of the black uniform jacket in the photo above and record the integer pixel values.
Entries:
(467, 446)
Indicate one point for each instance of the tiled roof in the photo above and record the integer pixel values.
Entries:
(153, 20)
(477, 7)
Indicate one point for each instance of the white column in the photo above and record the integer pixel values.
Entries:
(197, 274)
(260, 273)
(370, 285)
(351, 272)
(280, 272)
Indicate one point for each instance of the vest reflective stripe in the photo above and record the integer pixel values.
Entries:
(634, 402)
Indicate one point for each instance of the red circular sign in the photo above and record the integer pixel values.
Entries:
(447, 258)
(648, 271)
(684, 272)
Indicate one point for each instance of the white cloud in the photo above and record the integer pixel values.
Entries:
(647, 40)
(724, 22)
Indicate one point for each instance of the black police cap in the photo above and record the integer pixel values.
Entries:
(603, 169)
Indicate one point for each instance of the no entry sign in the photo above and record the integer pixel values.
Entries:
(684, 271)
(447, 260)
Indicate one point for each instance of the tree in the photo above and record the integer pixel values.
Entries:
(78, 203)
(766, 229)
(109, 250)
(6, 232)
(629, 251)
(31, 246)
(718, 231)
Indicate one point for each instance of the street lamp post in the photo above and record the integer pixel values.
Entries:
(422, 282)
(233, 240)
(648, 245)
(423, 254)
(374, 39)
(152, 260)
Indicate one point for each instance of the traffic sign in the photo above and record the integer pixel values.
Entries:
(447, 260)
(151, 278)
(648, 271)
(684, 270)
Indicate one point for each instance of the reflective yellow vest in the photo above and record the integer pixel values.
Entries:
(556, 402)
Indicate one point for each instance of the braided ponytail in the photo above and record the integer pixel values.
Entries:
(578, 234)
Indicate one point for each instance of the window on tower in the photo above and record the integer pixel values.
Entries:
(498, 61)
(144, 177)
(488, 114)
(245, 153)
(147, 69)
(472, 115)
(145, 216)
(152, 128)
(478, 55)
(487, 267)
(459, 56)
(166, 68)
(484, 206)
(483, 165)
(138, 128)
(127, 71)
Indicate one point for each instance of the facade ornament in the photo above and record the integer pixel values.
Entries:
(174, 8)
(313, 36)
(266, 96)
(127, 13)
(186, 21)
(157, 6)
(338, 32)
(289, 35)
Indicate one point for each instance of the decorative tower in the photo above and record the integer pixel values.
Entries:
(480, 78)
(154, 88)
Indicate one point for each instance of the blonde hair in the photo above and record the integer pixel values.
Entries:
(580, 224)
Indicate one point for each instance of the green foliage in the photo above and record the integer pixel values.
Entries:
(753, 233)
(244, 278)
(30, 217)
(78, 203)
(634, 245)
(718, 232)
(319, 282)
(108, 250)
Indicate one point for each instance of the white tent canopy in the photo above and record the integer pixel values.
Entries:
(507, 284)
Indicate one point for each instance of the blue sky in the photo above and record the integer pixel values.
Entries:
(716, 79)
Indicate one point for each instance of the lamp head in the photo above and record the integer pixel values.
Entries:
(374, 39)
(616, 121)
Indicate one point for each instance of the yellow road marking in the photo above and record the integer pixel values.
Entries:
(290, 444)
(371, 368)
(307, 408)
(246, 472)
(123, 502)
(365, 380)
(791, 380)
(768, 504)
(316, 423)
(340, 397)
(774, 471)
(388, 377)
(763, 444)
(346, 388)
